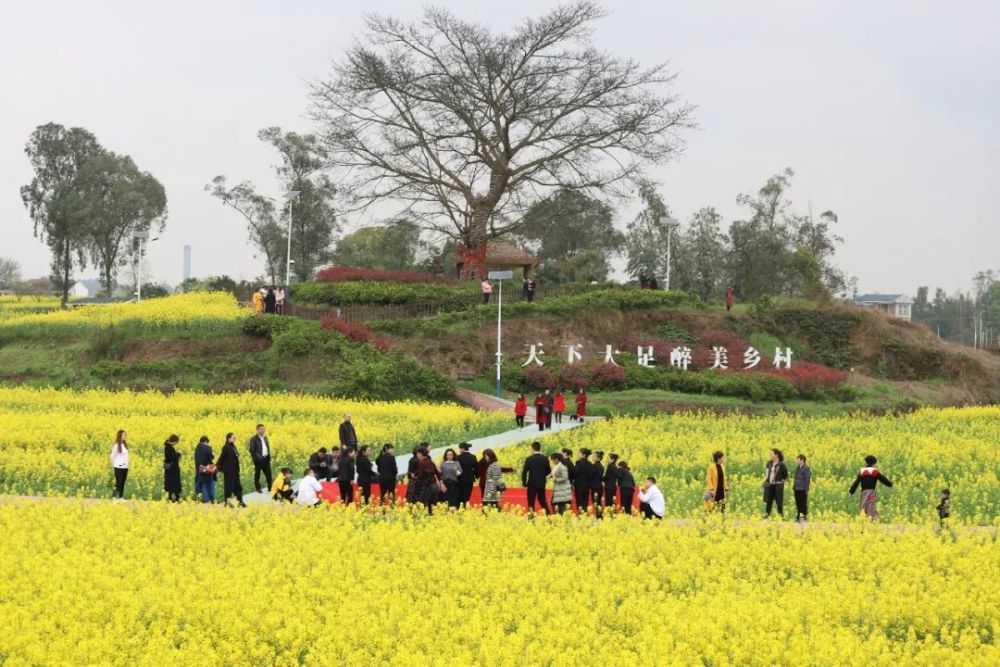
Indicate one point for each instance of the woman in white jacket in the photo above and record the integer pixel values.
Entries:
(119, 462)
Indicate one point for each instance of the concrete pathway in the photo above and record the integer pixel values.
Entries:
(496, 441)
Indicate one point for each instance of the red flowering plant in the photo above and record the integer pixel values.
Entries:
(356, 332)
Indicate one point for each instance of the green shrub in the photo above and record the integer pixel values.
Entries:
(383, 293)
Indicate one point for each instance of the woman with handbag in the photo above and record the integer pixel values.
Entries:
(172, 469)
(562, 491)
(493, 491)
(451, 470)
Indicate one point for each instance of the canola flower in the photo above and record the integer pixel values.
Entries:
(15, 307)
(194, 312)
(57, 442)
(921, 453)
(139, 583)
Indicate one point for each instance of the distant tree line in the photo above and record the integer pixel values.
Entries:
(971, 319)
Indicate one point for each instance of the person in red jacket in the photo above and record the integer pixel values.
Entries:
(520, 409)
(729, 297)
(541, 411)
(559, 406)
(581, 404)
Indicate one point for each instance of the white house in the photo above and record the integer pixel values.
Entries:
(894, 305)
(91, 287)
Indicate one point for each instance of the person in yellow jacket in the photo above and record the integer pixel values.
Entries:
(718, 484)
(258, 301)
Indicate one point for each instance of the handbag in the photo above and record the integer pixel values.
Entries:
(501, 487)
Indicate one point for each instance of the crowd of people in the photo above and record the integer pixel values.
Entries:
(549, 408)
(591, 479)
(269, 299)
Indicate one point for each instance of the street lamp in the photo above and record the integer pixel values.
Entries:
(671, 224)
(142, 237)
(289, 197)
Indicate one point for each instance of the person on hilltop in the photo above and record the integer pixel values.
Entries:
(348, 436)
(388, 471)
(651, 504)
(562, 490)
(282, 490)
(868, 479)
(559, 406)
(597, 481)
(120, 462)
(581, 404)
(279, 301)
(205, 474)
(520, 410)
(582, 472)
(309, 489)
(775, 474)
(229, 465)
(257, 301)
(610, 480)
(366, 474)
(534, 474)
(172, 469)
(487, 289)
(467, 479)
(494, 486)
(541, 409)
(532, 288)
(626, 485)
(729, 298)
(451, 472)
(260, 454)
(800, 487)
(270, 301)
(718, 484)
(345, 475)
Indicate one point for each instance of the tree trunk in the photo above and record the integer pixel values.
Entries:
(65, 281)
(475, 262)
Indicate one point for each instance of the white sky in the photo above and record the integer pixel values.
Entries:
(887, 111)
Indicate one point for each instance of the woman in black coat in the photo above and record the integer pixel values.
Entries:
(387, 473)
(366, 473)
(172, 469)
(229, 465)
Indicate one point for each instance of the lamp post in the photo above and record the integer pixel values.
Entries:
(142, 237)
(670, 224)
(499, 276)
(289, 197)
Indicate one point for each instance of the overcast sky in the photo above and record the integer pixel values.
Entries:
(889, 112)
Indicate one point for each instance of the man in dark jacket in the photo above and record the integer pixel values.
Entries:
(467, 479)
(534, 474)
(597, 481)
(260, 453)
(803, 477)
(568, 462)
(610, 481)
(348, 438)
(229, 465)
(345, 475)
(388, 471)
(583, 471)
(204, 482)
(320, 465)
(270, 302)
(775, 475)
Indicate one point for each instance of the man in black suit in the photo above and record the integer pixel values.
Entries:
(468, 477)
(611, 481)
(534, 474)
(260, 452)
(597, 481)
(348, 438)
(345, 476)
(568, 462)
(582, 471)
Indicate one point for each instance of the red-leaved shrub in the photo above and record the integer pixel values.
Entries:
(572, 377)
(607, 376)
(809, 378)
(356, 332)
(537, 377)
(345, 273)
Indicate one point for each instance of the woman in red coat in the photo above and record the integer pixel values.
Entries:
(559, 407)
(581, 404)
(541, 411)
(520, 409)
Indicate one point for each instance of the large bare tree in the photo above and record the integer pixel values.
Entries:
(466, 127)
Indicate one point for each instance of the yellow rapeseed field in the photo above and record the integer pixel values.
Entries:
(57, 442)
(143, 583)
(194, 311)
(921, 453)
(15, 306)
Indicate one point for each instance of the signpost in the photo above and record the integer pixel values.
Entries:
(499, 276)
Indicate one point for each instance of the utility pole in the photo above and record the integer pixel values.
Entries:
(670, 224)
